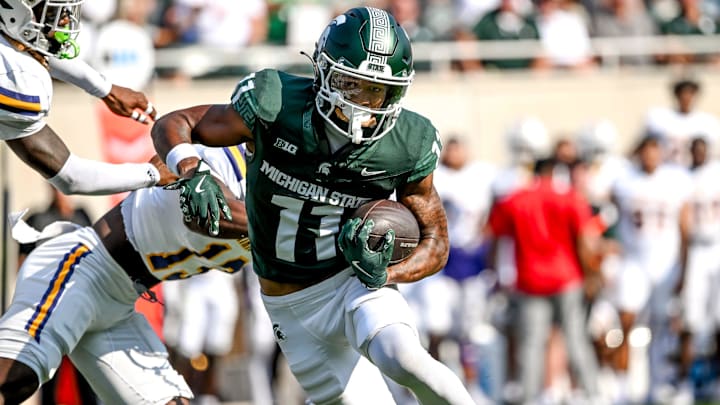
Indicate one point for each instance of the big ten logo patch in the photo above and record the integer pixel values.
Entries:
(286, 146)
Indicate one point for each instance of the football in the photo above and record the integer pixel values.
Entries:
(388, 214)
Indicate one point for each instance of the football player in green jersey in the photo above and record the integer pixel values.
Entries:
(317, 149)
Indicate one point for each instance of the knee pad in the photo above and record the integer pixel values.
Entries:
(397, 352)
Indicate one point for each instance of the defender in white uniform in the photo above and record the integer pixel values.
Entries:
(677, 125)
(653, 228)
(34, 36)
(701, 314)
(75, 294)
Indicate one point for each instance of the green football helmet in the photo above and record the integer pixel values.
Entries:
(363, 68)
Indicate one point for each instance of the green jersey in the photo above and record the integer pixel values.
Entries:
(299, 193)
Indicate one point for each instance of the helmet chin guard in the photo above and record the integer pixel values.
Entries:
(49, 27)
(363, 68)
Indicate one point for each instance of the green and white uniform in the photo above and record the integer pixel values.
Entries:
(300, 192)
(299, 195)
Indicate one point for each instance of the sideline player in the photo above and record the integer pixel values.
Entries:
(319, 149)
(34, 36)
(76, 293)
(653, 229)
(699, 299)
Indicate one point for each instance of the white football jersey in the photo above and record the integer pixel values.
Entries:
(154, 225)
(602, 175)
(705, 202)
(466, 196)
(677, 129)
(25, 93)
(649, 206)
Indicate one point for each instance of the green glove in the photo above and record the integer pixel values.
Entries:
(370, 266)
(202, 198)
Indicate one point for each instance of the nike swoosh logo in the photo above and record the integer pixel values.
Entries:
(356, 265)
(366, 172)
(198, 189)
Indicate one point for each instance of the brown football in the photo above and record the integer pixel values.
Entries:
(388, 214)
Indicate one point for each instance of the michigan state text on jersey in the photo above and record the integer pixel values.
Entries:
(294, 174)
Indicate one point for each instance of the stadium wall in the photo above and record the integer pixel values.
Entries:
(478, 107)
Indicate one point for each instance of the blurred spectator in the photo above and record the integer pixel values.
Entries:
(701, 313)
(67, 386)
(469, 12)
(675, 125)
(408, 13)
(564, 35)
(692, 20)
(439, 16)
(219, 24)
(549, 227)
(627, 19)
(653, 229)
(512, 20)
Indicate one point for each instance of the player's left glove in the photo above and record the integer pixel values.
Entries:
(370, 266)
(202, 198)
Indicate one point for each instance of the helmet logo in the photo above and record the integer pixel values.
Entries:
(379, 46)
(324, 169)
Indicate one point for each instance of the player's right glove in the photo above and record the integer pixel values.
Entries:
(370, 266)
(202, 198)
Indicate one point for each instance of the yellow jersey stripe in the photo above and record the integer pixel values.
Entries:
(27, 104)
(57, 285)
(237, 157)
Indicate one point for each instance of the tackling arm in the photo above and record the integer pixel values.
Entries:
(120, 100)
(211, 125)
(432, 252)
(47, 154)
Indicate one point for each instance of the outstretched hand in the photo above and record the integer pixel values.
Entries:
(370, 266)
(127, 102)
(202, 199)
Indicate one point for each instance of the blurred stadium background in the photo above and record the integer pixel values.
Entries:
(595, 64)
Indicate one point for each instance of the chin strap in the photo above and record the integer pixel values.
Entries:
(69, 47)
(356, 122)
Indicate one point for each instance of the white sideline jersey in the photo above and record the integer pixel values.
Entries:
(705, 202)
(649, 206)
(25, 93)
(677, 129)
(602, 175)
(466, 196)
(154, 225)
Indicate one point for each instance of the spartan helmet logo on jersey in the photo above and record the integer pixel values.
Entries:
(363, 68)
(324, 169)
(46, 26)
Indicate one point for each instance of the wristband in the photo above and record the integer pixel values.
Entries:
(178, 153)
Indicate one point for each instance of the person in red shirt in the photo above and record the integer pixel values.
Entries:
(550, 224)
